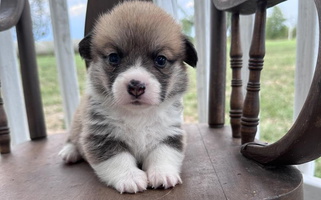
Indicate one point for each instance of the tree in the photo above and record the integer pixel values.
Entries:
(275, 27)
(40, 18)
(187, 26)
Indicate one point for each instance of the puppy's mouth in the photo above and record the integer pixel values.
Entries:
(136, 103)
(139, 103)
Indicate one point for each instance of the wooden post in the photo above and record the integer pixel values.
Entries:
(29, 72)
(216, 117)
(251, 106)
(236, 102)
(4, 129)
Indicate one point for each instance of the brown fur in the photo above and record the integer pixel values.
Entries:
(146, 26)
(111, 122)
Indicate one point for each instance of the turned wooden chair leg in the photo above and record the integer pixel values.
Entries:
(236, 102)
(251, 107)
(4, 130)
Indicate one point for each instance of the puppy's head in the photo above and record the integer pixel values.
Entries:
(136, 54)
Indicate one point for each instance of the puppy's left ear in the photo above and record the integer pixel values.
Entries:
(84, 47)
(190, 56)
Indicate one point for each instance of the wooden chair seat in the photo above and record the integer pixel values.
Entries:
(213, 169)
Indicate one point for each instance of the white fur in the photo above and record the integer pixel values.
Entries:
(152, 91)
(144, 131)
(69, 153)
(121, 173)
(163, 167)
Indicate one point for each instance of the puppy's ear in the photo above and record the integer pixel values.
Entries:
(190, 56)
(84, 47)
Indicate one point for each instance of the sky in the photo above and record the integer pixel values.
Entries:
(77, 11)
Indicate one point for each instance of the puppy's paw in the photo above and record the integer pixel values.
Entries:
(121, 173)
(132, 181)
(69, 153)
(163, 178)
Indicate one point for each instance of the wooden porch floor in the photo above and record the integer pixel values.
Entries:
(213, 169)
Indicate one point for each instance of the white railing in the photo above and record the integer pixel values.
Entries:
(12, 90)
(307, 50)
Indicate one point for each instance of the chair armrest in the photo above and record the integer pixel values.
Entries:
(10, 12)
(242, 6)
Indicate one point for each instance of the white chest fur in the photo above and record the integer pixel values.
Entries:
(142, 129)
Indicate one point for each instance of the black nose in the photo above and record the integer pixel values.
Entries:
(136, 88)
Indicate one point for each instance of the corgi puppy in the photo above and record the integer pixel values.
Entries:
(128, 124)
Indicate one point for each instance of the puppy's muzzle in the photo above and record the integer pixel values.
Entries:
(136, 88)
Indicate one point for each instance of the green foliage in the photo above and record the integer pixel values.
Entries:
(187, 26)
(275, 27)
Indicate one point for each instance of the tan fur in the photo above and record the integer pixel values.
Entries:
(153, 27)
(77, 123)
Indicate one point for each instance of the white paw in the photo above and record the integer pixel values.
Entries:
(69, 153)
(121, 172)
(166, 179)
(132, 181)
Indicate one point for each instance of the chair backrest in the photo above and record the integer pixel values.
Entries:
(10, 12)
(18, 14)
(301, 143)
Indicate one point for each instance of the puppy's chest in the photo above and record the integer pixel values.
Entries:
(145, 132)
(140, 131)
(143, 136)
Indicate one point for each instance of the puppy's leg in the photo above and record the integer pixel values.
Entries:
(70, 153)
(113, 163)
(163, 166)
(121, 172)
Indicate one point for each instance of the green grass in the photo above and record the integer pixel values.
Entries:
(50, 90)
(277, 92)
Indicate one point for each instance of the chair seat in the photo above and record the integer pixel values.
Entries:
(213, 169)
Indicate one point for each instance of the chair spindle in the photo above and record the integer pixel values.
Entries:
(29, 74)
(236, 102)
(4, 130)
(217, 81)
(251, 107)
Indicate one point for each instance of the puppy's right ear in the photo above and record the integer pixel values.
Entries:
(84, 47)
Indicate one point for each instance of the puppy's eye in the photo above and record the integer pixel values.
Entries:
(161, 61)
(114, 59)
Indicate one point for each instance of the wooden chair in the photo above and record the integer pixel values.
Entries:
(213, 167)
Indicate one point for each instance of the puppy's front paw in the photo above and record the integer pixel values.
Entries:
(164, 178)
(132, 181)
(121, 172)
(69, 153)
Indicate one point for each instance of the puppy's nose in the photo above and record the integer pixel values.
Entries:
(136, 88)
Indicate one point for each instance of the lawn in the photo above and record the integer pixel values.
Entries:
(277, 92)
